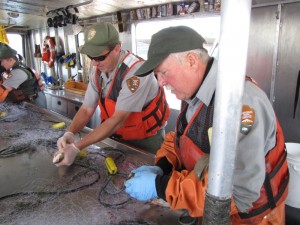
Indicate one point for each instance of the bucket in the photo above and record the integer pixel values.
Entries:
(293, 160)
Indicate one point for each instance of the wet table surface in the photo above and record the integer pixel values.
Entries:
(34, 191)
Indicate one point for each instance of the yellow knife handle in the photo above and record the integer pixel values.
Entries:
(59, 125)
(110, 165)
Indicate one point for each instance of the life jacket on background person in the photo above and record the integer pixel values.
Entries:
(29, 89)
(48, 51)
(36, 75)
(139, 125)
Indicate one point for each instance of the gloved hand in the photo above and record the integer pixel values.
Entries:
(67, 138)
(70, 152)
(152, 169)
(142, 186)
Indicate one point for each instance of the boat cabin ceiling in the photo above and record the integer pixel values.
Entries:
(34, 14)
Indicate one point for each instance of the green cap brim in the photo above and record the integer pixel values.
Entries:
(92, 50)
(149, 65)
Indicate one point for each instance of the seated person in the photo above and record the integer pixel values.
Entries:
(18, 83)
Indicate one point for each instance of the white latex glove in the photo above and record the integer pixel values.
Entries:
(67, 138)
(69, 155)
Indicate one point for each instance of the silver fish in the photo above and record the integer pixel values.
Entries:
(58, 158)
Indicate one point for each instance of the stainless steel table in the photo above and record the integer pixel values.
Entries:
(34, 191)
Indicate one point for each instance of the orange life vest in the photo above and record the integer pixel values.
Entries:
(139, 125)
(192, 142)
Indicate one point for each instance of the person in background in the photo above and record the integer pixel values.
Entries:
(2, 69)
(179, 176)
(18, 81)
(133, 110)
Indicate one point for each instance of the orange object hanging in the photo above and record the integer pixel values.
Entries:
(3, 36)
(48, 51)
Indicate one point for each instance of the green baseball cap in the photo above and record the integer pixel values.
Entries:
(167, 41)
(98, 37)
(7, 52)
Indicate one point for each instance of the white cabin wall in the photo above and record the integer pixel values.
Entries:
(126, 41)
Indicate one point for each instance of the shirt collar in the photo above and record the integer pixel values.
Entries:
(208, 86)
(122, 55)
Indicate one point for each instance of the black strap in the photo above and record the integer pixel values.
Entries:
(272, 200)
(153, 112)
(269, 191)
(266, 206)
(297, 94)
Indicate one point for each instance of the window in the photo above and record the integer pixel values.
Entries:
(208, 27)
(16, 42)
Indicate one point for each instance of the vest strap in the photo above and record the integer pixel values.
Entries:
(153, 113)
(272, 200)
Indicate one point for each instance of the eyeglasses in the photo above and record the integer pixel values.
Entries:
(101, 57)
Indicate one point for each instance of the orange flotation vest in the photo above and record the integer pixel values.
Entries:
(139, 125)
(48, 51)
(192, 142)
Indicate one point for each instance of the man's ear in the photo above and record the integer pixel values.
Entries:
(118, 47)
(192, 60)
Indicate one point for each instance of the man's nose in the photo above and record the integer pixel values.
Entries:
(161, 81)
(94, 62)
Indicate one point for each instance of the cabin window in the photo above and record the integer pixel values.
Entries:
(16, 42)
(80, 37)
(208, 27)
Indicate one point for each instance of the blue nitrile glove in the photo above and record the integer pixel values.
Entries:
(142, 186)
(152, 169)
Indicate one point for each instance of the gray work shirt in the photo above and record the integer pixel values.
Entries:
(18, 77)
(127, 100)
(249, 172)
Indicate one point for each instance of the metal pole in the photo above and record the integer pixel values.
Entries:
(235, 24)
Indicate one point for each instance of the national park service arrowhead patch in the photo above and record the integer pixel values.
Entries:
(133, 83)
(248, 118)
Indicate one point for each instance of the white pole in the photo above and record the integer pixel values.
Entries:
(233, 46)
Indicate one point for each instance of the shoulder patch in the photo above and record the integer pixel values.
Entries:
(247, 120)
(133, 83)
(6, 75)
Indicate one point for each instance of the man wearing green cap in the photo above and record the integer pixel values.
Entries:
(177, 56)
(133, 109)
(19, 82)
